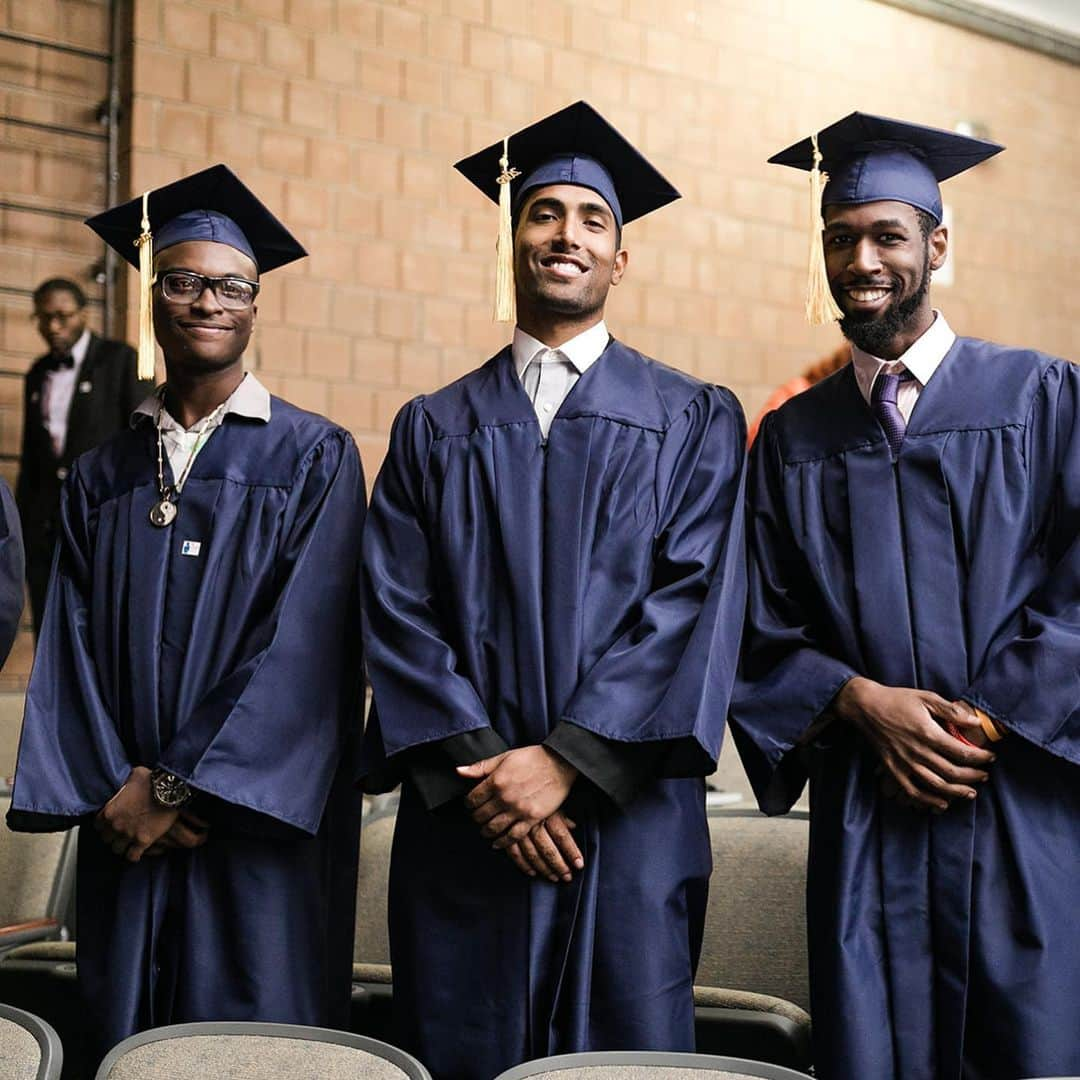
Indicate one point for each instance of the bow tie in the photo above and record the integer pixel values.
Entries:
(63, 362)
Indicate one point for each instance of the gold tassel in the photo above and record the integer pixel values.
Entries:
(821, 308)
(145, 244)
(505, 305)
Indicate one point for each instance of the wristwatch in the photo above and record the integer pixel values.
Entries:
(167, 790)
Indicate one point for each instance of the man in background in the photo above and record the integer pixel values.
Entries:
(79, 393)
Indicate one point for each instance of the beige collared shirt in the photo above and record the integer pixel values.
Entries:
(548, 375)
(922, 360)
(250, 399)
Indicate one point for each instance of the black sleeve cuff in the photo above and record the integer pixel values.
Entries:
(31, 821)
(431, 767)
(618, 769)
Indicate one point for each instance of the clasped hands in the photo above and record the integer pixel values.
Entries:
(517, 804)
(133, 825)
(924, 765)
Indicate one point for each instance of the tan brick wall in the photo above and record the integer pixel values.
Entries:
(346, 115)
(44, 169)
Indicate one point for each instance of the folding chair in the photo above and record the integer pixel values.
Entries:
(646, 1065)
(372, 992)
(37, 876)
(256, 1052)
(29, 1048)
(752, 991)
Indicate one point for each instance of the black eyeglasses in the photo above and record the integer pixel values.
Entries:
(185, 287)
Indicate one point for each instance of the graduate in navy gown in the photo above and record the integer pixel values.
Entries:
(554, 590)
(12, 562)
(195, 692)
(913, 647)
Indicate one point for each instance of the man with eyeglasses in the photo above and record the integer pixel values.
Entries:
(77, 395)
(196, 690)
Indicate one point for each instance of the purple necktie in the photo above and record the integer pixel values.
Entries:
(888, 414)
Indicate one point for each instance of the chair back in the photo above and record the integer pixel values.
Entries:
(33, 882)
(256, 1052)
(755, 928)
(371, 945)
(29, 1048)
(646, 1065)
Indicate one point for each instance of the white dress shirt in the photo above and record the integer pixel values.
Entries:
(922, 360)
(548, 375)
(250, 399)
(57, 393)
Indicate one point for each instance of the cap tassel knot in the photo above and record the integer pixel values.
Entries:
(145, 244)
(505, 306)
(821, 308)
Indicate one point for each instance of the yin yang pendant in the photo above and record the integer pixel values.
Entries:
(163, 513)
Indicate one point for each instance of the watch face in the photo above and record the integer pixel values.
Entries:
(168, 790)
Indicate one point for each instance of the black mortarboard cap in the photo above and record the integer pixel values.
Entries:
(209, 205)
(875, 159)
(575, 145)
(213, 204)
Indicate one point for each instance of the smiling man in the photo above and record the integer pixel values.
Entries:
(554, 593)
(195, 692)
(913, 648)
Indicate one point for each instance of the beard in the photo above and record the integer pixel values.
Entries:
(873, 334)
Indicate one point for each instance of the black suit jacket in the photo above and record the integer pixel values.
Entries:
(106, 394)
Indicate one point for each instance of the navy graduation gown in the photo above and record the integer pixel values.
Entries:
(236, 668)
(510, 584)
(12, 564)
(947, 946)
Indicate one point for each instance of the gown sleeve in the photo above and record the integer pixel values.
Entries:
(787, 676)
(269, 736)
(71, 760)
(412, 666)
(666, 681)
(431, 767)
(1030, 682)
(12, 560)
(618, 769)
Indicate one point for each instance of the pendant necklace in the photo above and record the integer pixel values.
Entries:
(163, 512)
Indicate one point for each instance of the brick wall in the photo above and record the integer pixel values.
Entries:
(49, 171)
(346, 115)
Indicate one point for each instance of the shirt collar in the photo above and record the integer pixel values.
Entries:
(250, 399)
(921, 359)
(78, 350)
(582, 351)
